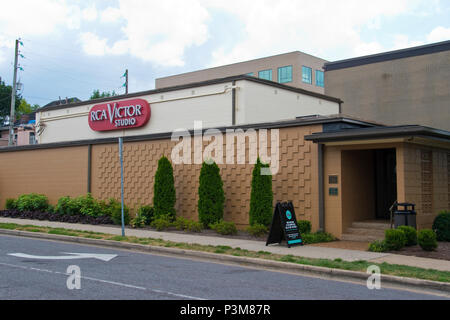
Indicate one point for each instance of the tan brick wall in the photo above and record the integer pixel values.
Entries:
(53, 172)
(63, 171)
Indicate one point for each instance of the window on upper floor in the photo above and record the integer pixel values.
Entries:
(319, 78)
(265, 74)
(250, 74)
(307, 75)
(285, 74)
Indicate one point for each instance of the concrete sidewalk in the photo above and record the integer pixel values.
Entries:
(309, 251)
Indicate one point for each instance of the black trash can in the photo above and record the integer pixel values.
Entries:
(405, 216)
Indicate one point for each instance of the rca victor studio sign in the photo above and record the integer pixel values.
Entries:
(119, 115)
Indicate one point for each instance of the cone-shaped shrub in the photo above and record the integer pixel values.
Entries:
(261, 197)
(211, 197)
(164, 190)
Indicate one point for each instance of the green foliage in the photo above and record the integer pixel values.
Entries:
(410, 234)
(25, 108)
(82, 205)
(146, 213)
(190, 225)
(224, 227)
(211, 196)
(427, 239)
(164, 196)
(377, 246)
(11, 204)
(138, 221)
(114, 210)
(304, 226)
(5, 102)
(161, 223)
(261, 196)
(257, 230)
(441, 226)
(395, 239)
(105, 94)
(318, 237)
(32, 202)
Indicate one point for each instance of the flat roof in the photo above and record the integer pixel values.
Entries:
(193, 85)
(379, 133)
(167, 135)
(387, 56)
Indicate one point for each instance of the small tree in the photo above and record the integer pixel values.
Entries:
(164, 190)
(261, 197)
(211, 196)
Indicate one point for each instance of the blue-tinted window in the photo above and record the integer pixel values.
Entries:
(265, 74)
(319, 78)
(307, 75)
(250, 74)
(285, 74)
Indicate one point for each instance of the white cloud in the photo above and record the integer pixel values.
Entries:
(90, 13)
(157, 32)
(317, 27)
(439, 34)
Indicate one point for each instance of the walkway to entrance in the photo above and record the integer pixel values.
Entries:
(366, 231)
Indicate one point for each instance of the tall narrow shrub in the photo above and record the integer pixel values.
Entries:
(261, 197)
(211, 196)
(164, 190)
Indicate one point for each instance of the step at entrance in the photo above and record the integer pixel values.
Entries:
(366, 231)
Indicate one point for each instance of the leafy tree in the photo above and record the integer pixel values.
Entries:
(211, 196)
(5, 102)
(261, 196)
(25, 108)
(105, 94)
(164, 190)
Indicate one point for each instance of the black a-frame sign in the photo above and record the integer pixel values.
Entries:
(284, 226)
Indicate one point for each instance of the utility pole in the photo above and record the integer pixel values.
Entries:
(126, 81)
(13, 97)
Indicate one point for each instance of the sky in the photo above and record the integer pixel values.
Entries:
(71, 48)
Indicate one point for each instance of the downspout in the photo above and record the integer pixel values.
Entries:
(89, 169)
(233, 103)
(321, 189)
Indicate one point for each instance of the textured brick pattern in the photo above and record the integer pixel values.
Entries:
(295, 180)
(427, 181)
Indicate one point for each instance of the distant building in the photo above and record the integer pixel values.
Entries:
(296, 69)
(24, 131)
(409, 86)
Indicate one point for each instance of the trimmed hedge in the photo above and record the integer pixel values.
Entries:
(441, 226)
(261, 196)
(410, 234)
(394, 239)
(427, 239)
(304, 226)
(164, 196)
(211, 197)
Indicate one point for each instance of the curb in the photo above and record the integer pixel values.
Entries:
(412, 283)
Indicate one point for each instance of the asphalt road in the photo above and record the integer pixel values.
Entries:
(134, 275)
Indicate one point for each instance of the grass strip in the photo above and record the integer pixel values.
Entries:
(386, 268)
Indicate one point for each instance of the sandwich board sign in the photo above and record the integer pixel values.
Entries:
(284, 225)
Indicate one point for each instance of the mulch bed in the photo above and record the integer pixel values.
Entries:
(442, 252)
(37, 215)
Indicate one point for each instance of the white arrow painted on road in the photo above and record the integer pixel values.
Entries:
(103, 257)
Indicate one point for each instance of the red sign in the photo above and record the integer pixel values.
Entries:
(119, 115)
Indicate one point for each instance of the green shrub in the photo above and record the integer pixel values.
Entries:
(32, 202)
(224, 227)
(395, 239)
(164, 196)
(211, 196)
(88, 206)
(146, 213)
(427, 239)
(11, 204)
(257, 230)
(261, 196)
(194, 226)
(377, 246)
(318, 237)
(304, 226)
(410, 234)
(180, 223)
(441, 226)
(67, 205)
(114, 210)
(161, 223)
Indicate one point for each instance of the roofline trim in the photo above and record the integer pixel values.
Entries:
(387, 56)
(189, 86)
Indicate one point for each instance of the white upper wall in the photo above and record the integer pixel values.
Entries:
(171, 110)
